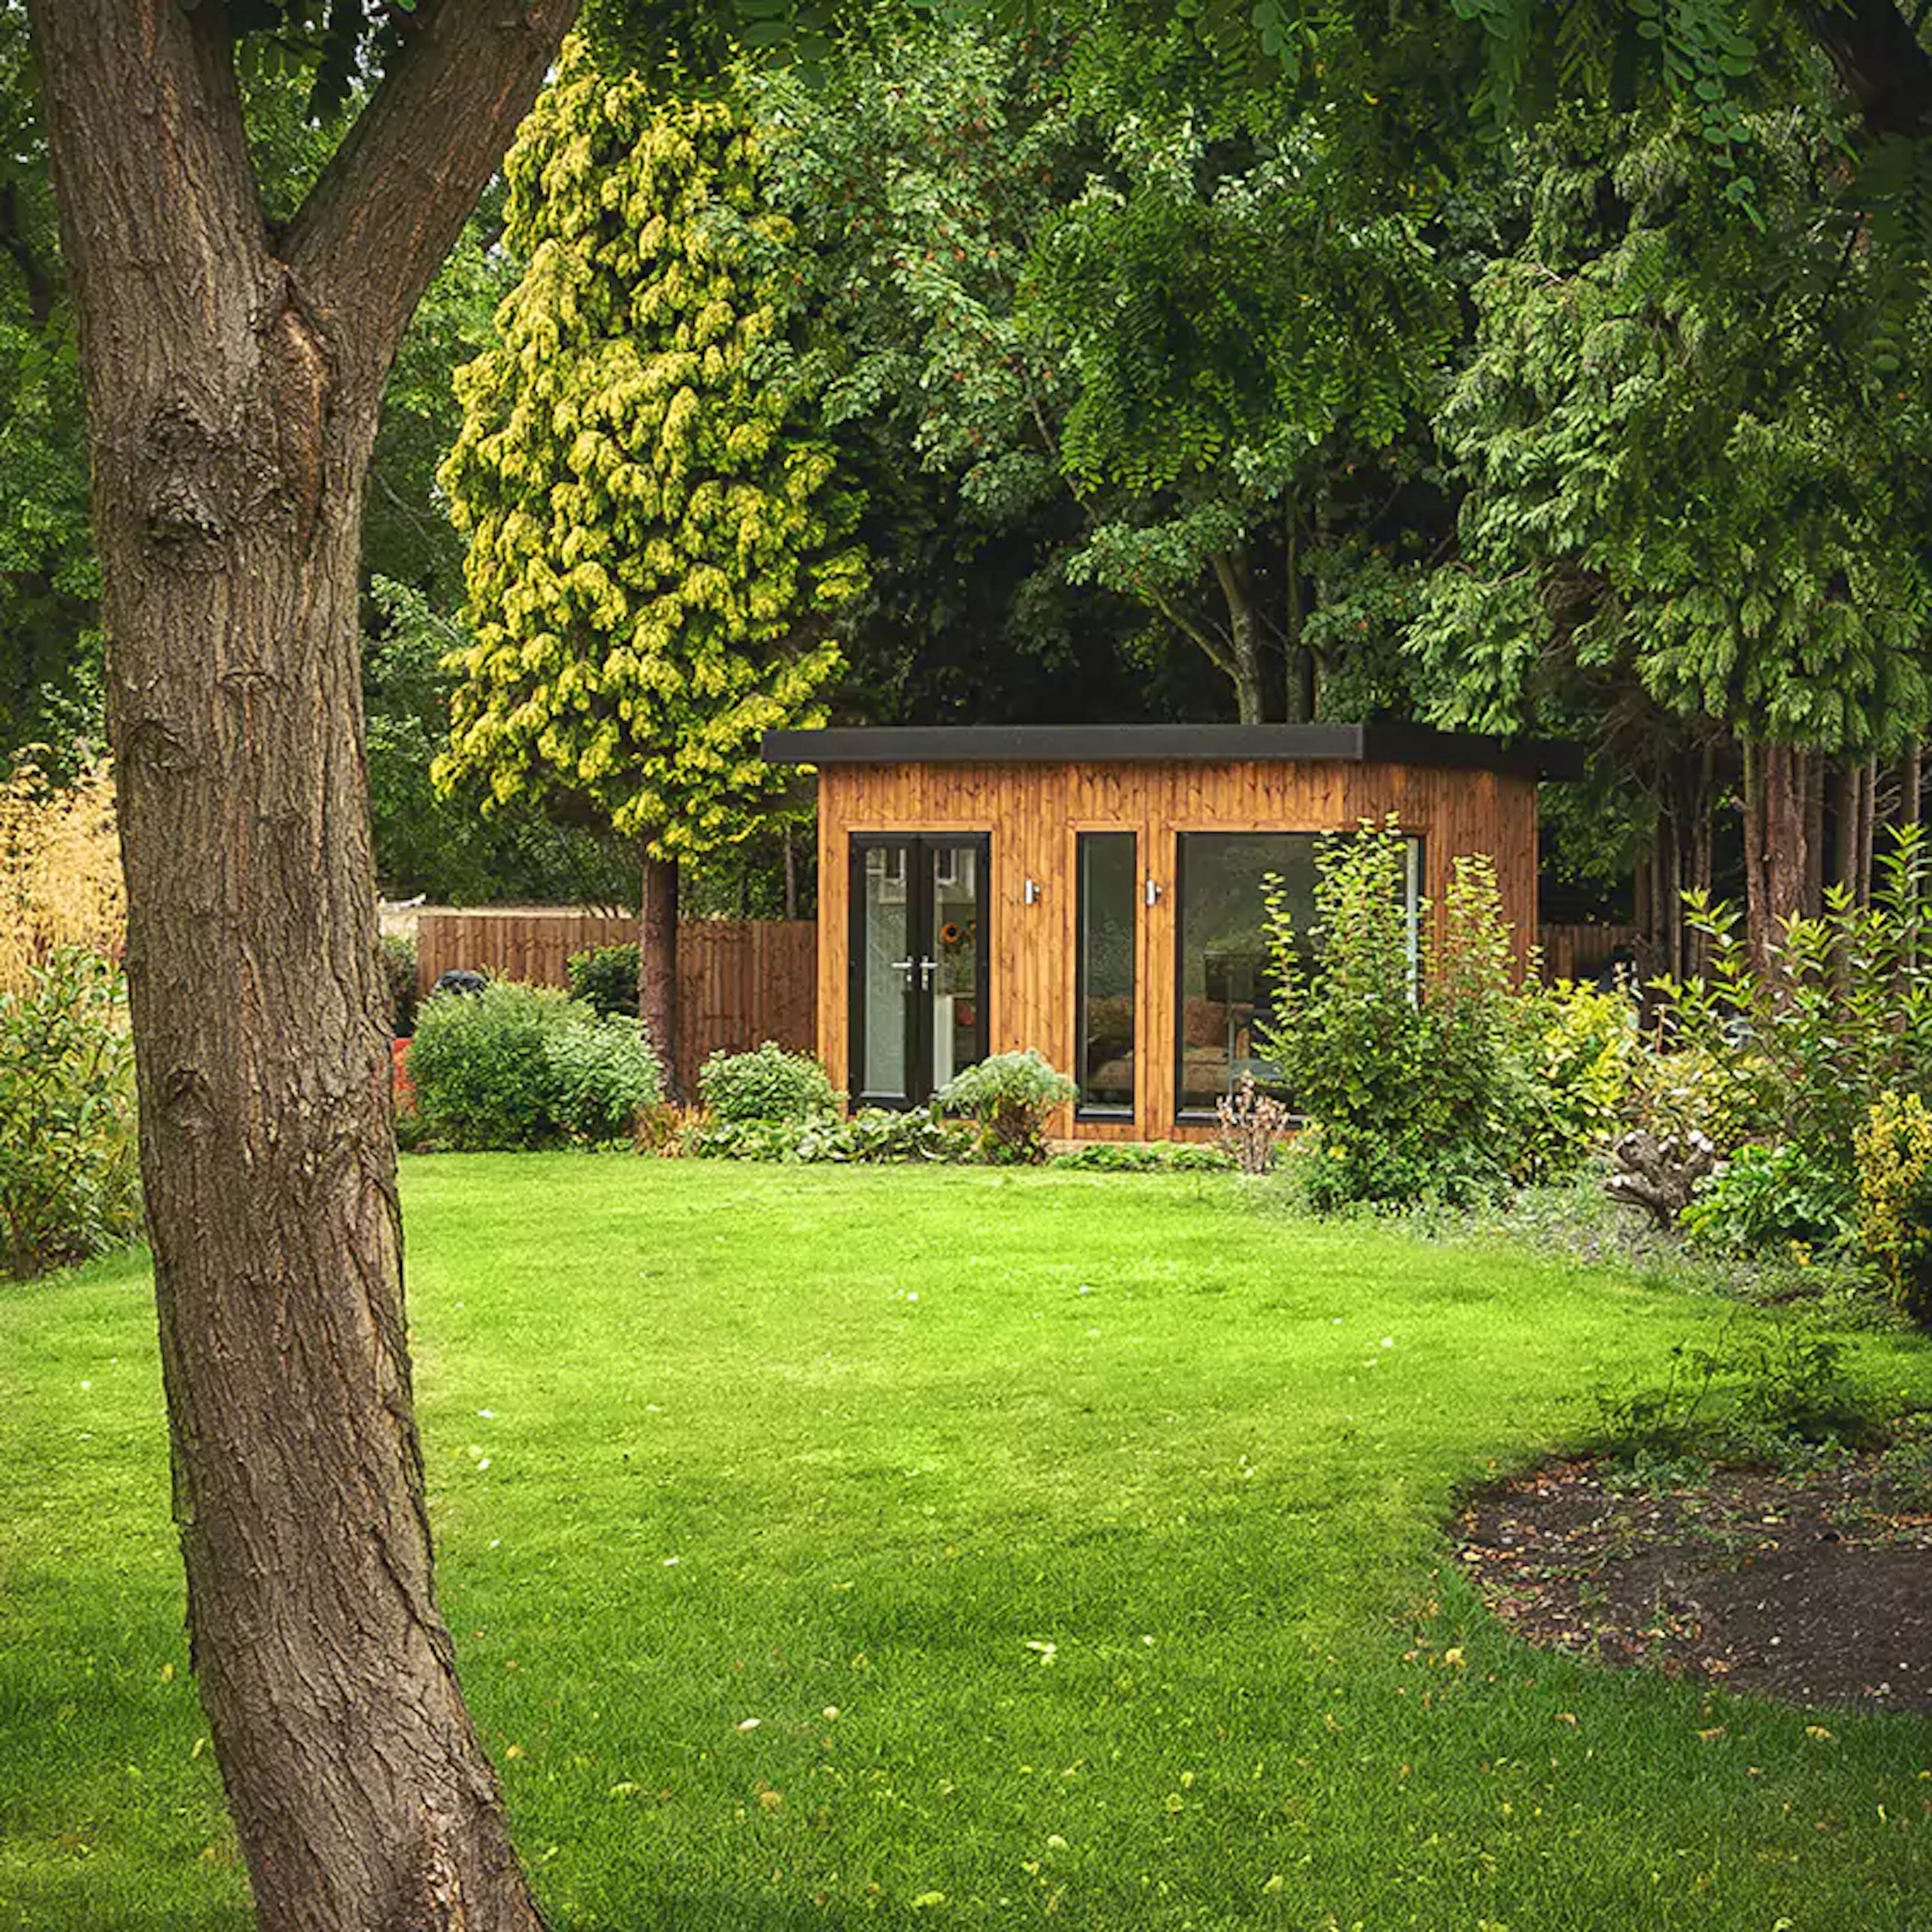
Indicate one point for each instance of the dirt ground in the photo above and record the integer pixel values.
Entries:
(1816, 1589)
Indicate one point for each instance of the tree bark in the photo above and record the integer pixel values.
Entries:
(1232, 571)
(1814, 779)
(657, 966)
(1783, 854)
(1911, 784)
(232, 382)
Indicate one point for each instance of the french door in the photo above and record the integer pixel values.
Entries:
(918, 963)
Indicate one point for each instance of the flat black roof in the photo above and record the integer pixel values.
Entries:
(1197, 744)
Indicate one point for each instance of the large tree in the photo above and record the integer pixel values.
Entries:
(656, 545)
(233, 366)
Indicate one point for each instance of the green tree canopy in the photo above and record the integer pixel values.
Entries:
(656, 550)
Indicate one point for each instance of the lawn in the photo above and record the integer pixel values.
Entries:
(950, 1548)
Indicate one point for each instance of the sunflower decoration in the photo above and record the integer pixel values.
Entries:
(951, 933)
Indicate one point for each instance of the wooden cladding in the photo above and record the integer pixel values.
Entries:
(1033, 813)
(739, 981)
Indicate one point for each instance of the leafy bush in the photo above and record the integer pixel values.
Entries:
(1586, 1055)
(768, 1085)
(70, 1174)
(605, 978)
(881, 1134)
(522, 1066)
(1894, 1167)
(1798, 1054)
(873, 1134)
(603, 1075)
(1009, 1097)
(399, 973)
(1766, 1197)
(1145, 1157)
(1412, 1096)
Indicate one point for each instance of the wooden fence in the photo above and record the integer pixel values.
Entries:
(739, 981)
(1579, 951)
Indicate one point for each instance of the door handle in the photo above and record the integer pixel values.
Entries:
(905, 966)
(927, 968)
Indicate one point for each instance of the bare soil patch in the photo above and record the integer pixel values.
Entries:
(1815, 1587)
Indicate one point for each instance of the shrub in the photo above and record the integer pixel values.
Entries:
(768, 1085)
(1799, 1054)
(522, 1066)
(1009, 1097)
(603, 1076)
(1586, 1054)
(1895, 1166)
(70, 1174)
(605, 978)
(1768, 1197)
(1412, 1066)
(399, 974)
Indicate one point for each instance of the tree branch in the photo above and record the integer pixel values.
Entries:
(34, 274)
(390, 204)
(1879, 58)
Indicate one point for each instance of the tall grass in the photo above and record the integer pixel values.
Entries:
(60, 869)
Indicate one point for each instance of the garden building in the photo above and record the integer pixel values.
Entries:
(1096, 892)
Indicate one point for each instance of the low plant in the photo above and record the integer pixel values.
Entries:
(768, 1084)
(1765, 1380)
(1145, 1157)
(1009, 1097)
(1252, 1126)
(70, 1174)
(1895, 1178)
(523, 1066)
(922, 1134)
(1768, 1197)
(605, 978)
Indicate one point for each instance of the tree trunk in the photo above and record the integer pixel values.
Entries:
(1814, 770)
(1867, 827)
(1236, 578)
(1301, 686)
(657, 966)
(1910, 783)
(1845, 822)
(787, 832)
(232, 382)
(1782, 853)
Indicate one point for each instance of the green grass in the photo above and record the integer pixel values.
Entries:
(1105, 1512)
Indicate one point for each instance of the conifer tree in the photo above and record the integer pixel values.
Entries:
(656, 548)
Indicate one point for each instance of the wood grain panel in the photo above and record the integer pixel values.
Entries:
(1032, 814)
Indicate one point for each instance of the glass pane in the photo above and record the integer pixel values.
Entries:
(955, 957)
(1105, 1051)
(887, 971)
(1227, 986)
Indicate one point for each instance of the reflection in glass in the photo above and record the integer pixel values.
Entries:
(1104, 1018)
(1228, 988)
(955, 957)
(888, 971)
(1227, 984)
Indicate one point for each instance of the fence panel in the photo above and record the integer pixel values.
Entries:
(739, 981)
(1579, 951)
